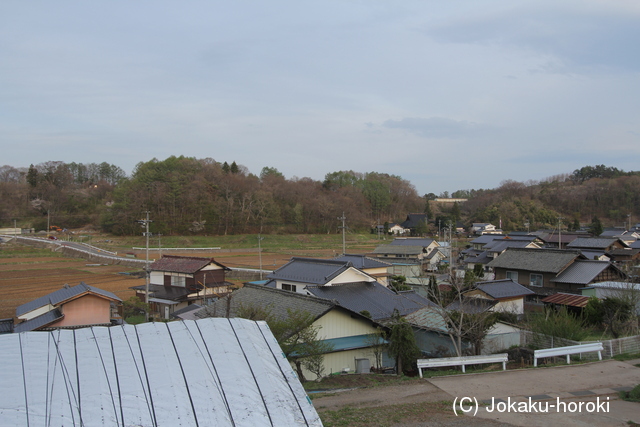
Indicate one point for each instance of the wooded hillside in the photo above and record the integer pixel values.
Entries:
(202, 196)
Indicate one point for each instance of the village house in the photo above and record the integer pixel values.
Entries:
(179, 281)
(547, 271)
(70, 307)
(346, 331)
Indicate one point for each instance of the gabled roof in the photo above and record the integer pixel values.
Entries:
(362, 262)
(635, 245)
(310, 270)
(613, 232)
(183, 264)
(62, 295)
(505, 288)
(594, 242)
(411, 241)
(539, 260)
(428, 318)
(379, 301)
(554, 237)
(209, 372)
(583, 272)
(277, 301)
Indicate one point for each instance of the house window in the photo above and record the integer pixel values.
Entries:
(287, 287)
(536, 280)
(178, 281)
(513, 275)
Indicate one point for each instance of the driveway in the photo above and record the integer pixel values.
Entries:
(558, 389)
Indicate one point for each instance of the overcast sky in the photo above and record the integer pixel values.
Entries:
(449, 95)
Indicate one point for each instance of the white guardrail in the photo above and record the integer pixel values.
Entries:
(568, 351)
(463, 361)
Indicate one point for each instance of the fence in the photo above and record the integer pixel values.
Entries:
(611, 347)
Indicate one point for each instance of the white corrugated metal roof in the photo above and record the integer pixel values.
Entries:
(209, 372)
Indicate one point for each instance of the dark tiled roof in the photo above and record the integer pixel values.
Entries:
(184, 310)
(411, 241)
(310, 270)
(539, 260)
(379, 301)
(592, 243)
(170, 293)
(39, 322)
(482, 258)
(567, 299)
(635, 245)
(398, 249)
(6, 326)
(503, 245)
(591, 254)
(182, 264)
(61, 295)
(506, 288)
(414, 220)
(582, 272)
(362, 262)
(472, 305)
(277, 301)
(486, 238)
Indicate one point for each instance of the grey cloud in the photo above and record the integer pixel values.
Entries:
(584, 38)
(438, 127)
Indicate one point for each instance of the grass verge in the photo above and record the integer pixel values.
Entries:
(385, 415)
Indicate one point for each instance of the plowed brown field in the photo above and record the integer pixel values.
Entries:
(24, 279)
(27, 278)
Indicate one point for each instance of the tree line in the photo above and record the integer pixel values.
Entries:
(186, 195)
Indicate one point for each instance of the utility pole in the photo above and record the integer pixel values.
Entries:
(560, 232)
(260, 253)
(344, 227)
(145, 223)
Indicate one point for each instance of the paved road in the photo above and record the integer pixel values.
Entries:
(542, 388)
(571, 384)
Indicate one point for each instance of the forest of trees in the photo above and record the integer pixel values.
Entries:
(202, 196)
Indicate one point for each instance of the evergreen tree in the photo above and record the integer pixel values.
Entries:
(32, 176)
(596, 226)
(234, 168)
(402, 343)
(225, 167)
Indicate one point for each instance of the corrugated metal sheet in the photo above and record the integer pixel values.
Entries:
(210, 372)
(567, 299)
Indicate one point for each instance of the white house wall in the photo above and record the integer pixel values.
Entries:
(351, 275)
(337, 324)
